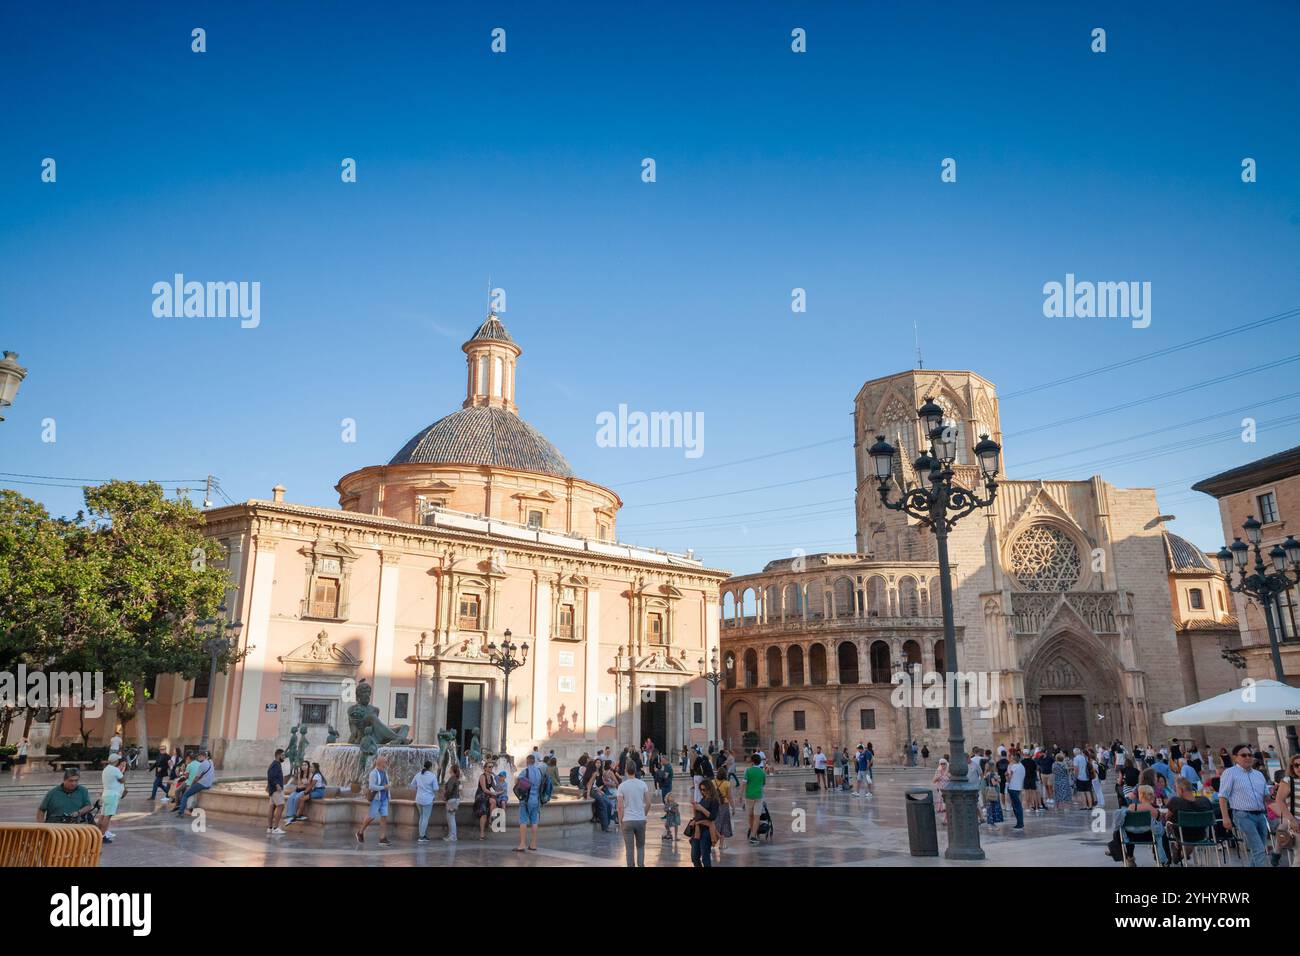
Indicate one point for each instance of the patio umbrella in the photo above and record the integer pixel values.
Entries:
(1264, 702)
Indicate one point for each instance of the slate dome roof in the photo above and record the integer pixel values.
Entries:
(1185, 556)
(481, 435)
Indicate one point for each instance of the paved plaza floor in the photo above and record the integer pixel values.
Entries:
(838, 829)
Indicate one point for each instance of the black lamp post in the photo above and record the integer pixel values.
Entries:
(715, 675)
(222, 636)
(906, 668)
(503, 659)
(1264, 586)
(939, 507)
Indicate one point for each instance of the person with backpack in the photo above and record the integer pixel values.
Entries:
(528, 788)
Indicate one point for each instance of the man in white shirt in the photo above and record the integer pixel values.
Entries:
(115, 745)
(113, 791)
(819, 767)
(1015, 784)
(633, 804)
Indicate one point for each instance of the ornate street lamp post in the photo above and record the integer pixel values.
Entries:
(715, 676)
(503, 659)
(222, 636)
(906, 668)
(11, 376)
(939, 507)
(1265, 587)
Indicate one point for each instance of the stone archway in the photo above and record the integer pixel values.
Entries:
(1070, 679)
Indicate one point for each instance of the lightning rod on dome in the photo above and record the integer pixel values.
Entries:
(916, 337)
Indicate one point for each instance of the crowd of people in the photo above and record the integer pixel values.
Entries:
(1155, 790)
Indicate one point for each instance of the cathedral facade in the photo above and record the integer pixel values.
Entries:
(1062, 602)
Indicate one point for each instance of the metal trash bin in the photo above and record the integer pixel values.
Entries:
(922, 831)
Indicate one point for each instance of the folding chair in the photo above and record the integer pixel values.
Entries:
(1224, 840)
(1203, 821)
(1138, 829)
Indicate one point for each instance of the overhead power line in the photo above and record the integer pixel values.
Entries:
(1158, 353)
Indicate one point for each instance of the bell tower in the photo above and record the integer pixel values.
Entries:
(490, 358)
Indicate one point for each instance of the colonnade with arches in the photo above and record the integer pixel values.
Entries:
(911, 593)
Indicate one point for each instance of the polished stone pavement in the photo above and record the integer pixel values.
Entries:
(838, 829)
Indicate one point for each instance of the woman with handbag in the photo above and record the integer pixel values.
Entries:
(485, 800)
(451, 798)
(700, 828)
(1288, 826)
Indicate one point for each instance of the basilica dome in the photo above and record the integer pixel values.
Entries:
(485, 435)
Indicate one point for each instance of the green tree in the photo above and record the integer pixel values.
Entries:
(47, 595)
(158, 577)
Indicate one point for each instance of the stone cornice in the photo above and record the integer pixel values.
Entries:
(266, 519)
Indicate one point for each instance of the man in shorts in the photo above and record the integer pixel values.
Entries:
(862, 764)
(275, 791)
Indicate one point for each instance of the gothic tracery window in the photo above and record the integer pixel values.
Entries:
(1044, 558)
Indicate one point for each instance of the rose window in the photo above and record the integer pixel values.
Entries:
(1045, 559)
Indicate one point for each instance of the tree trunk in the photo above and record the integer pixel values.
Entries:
(141, 725)
(81, 727)
(6, 721)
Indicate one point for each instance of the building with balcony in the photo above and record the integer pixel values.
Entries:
(1061, 596)
(1269, 490)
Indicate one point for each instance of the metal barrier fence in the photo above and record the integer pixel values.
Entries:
(49, 844)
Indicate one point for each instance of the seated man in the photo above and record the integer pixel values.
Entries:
(1186, 801)
(67, 803)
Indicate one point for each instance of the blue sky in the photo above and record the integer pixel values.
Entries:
(775, 170)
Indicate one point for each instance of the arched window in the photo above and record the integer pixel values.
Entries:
(940, 657)
(748, 607)
(817, 600)
(793, 605)
(729, 665)
(772, 612)
(909, 603)
(817, 663)
(728, 610)
(794, 666)
(844, 598)
(751, 668)
(877, 597)
(848, 661)
(912, 654)
(881, 670)
(774, 667)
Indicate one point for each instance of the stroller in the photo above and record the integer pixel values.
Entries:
(765, 826)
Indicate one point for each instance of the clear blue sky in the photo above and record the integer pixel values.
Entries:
(775, 170)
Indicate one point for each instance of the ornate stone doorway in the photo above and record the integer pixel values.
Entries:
(1071, 679)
